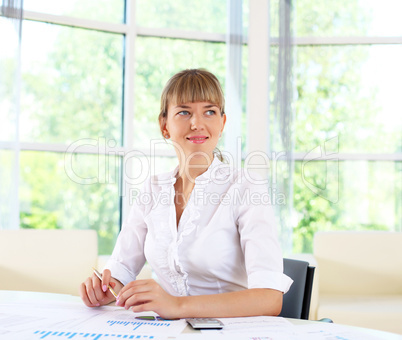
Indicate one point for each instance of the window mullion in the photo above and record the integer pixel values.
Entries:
(76, 22)
(344, 156)
(180, 34)
(258, 77)
(342, 40)
(128, 105)
(234, 46)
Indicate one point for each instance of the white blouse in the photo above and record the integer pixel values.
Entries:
(226, 239)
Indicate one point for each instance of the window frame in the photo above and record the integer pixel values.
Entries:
(130, 32)
(258, 42)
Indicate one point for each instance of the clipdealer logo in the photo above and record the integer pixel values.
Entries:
(114, 162)
(328, 189)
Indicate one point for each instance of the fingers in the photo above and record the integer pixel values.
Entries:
(134, 287)
(144, 307)
(148, 295)
(96, 290)
(138, 293)
(87, 293)
(84, 296)
(137, 284)
(92, 294)
(134, 297)
(139, 299)
(106, 275)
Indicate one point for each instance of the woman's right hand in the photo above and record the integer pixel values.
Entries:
(94, 292)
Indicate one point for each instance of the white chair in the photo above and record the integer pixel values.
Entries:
(54, 261)
(360, 278)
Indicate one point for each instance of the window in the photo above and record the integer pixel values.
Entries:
(92, 73)
(348, 124)
(91, 77)
(72, 72)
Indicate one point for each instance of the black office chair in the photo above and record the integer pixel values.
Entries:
(296, 302)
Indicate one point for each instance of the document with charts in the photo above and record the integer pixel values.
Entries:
(48, 319)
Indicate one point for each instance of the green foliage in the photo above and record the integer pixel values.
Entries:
(332, 18)
(333, 100)
(49, 199)
(206, 15)
(38, 218)
(361, 195)
(75, 91)
(99, 10)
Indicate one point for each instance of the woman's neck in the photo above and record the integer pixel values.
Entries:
(191, 168)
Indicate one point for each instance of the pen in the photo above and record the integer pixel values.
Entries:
(99, 275)
(151, 318)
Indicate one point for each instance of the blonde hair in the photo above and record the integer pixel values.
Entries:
(191, 86)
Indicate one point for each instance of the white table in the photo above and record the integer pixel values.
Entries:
(17, 297)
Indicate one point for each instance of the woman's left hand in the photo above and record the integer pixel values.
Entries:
(148, 295)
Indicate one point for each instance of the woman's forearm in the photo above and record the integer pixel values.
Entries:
(249, 302)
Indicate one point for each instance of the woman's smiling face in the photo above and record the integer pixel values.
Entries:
(195, 127)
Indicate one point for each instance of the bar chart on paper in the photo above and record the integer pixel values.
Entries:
(125, 323)
(110, 329)
(40, 334)
(138, 326)
(22, 321)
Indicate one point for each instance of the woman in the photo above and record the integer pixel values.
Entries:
(215, 252)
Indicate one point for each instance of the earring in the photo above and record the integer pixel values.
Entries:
(167, 136)
(220, 134)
